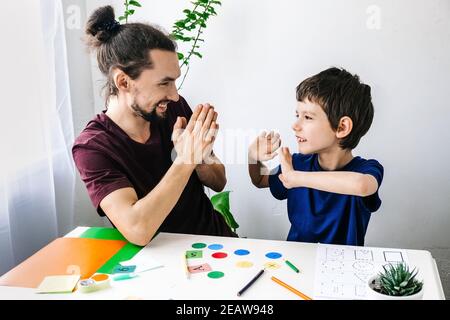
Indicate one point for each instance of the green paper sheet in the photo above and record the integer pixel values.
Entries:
(103, 233)
(126, 253)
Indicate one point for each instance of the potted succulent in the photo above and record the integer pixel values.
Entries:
(395, 282)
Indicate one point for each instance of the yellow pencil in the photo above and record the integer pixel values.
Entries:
(281, 283)
(186, 268)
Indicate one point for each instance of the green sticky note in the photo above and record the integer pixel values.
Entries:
(194, 254)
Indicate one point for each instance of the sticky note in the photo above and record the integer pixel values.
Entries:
(200, 268)
(194, 254)
(124, 269)
(58, 284)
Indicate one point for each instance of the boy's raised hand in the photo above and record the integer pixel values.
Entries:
(264, 147)
(287, 170)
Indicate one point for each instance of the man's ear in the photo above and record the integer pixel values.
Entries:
(344, 128)
(121, 80)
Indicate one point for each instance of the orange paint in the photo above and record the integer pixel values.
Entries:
(100, 277)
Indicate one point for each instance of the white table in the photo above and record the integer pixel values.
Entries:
(170, 282)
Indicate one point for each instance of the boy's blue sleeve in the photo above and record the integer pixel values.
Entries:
(375, 169)
(276, 186)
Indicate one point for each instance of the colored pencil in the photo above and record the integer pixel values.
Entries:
(300, 294)
(251, 282)
(291, 266)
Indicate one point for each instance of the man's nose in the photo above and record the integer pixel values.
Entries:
(173, 93)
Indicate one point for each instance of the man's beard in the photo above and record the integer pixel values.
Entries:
(152, 116)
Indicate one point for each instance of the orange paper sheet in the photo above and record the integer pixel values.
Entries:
(63, 256)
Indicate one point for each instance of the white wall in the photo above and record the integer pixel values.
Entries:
(257, 51)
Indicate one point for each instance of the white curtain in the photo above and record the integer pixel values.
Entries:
(36, 130)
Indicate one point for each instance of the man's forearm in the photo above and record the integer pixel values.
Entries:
(212, 176)
(153, 209)
(258, 173)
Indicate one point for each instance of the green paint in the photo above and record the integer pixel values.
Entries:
(194, 254)
(216, 274)
(199, 245)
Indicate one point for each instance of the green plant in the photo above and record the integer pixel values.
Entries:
(188, 29)
(128, 11)
(221, 203)
(397, 280)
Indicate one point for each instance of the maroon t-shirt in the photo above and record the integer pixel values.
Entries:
(108, 159)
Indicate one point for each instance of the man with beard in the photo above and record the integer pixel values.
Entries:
(146, 159)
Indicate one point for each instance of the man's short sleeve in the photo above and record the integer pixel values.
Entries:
(375, 169)
(99, 174)
(276, 186)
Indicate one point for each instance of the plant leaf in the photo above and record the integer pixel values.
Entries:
(221, 203)
(134, 3)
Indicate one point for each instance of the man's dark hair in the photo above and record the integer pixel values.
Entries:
(125, 47)
(340, 94)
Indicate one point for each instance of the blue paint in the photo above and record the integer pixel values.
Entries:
(241, 252)
(215, 246)
(273, 255)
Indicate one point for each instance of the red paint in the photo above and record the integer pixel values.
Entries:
(219, 255)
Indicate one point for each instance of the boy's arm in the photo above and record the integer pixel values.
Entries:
(262, 149)
(343, 182)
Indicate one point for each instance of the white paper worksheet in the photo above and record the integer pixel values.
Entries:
(342, 272)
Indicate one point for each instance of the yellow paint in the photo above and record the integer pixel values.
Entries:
(244, 264)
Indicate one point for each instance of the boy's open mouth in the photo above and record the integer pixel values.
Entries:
(300, 139)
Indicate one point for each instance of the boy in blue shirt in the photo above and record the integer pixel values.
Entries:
(330, 193)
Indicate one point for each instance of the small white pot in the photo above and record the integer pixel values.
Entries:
(374, 295)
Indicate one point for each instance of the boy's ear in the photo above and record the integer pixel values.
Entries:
(121, 80)
(344, 128)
